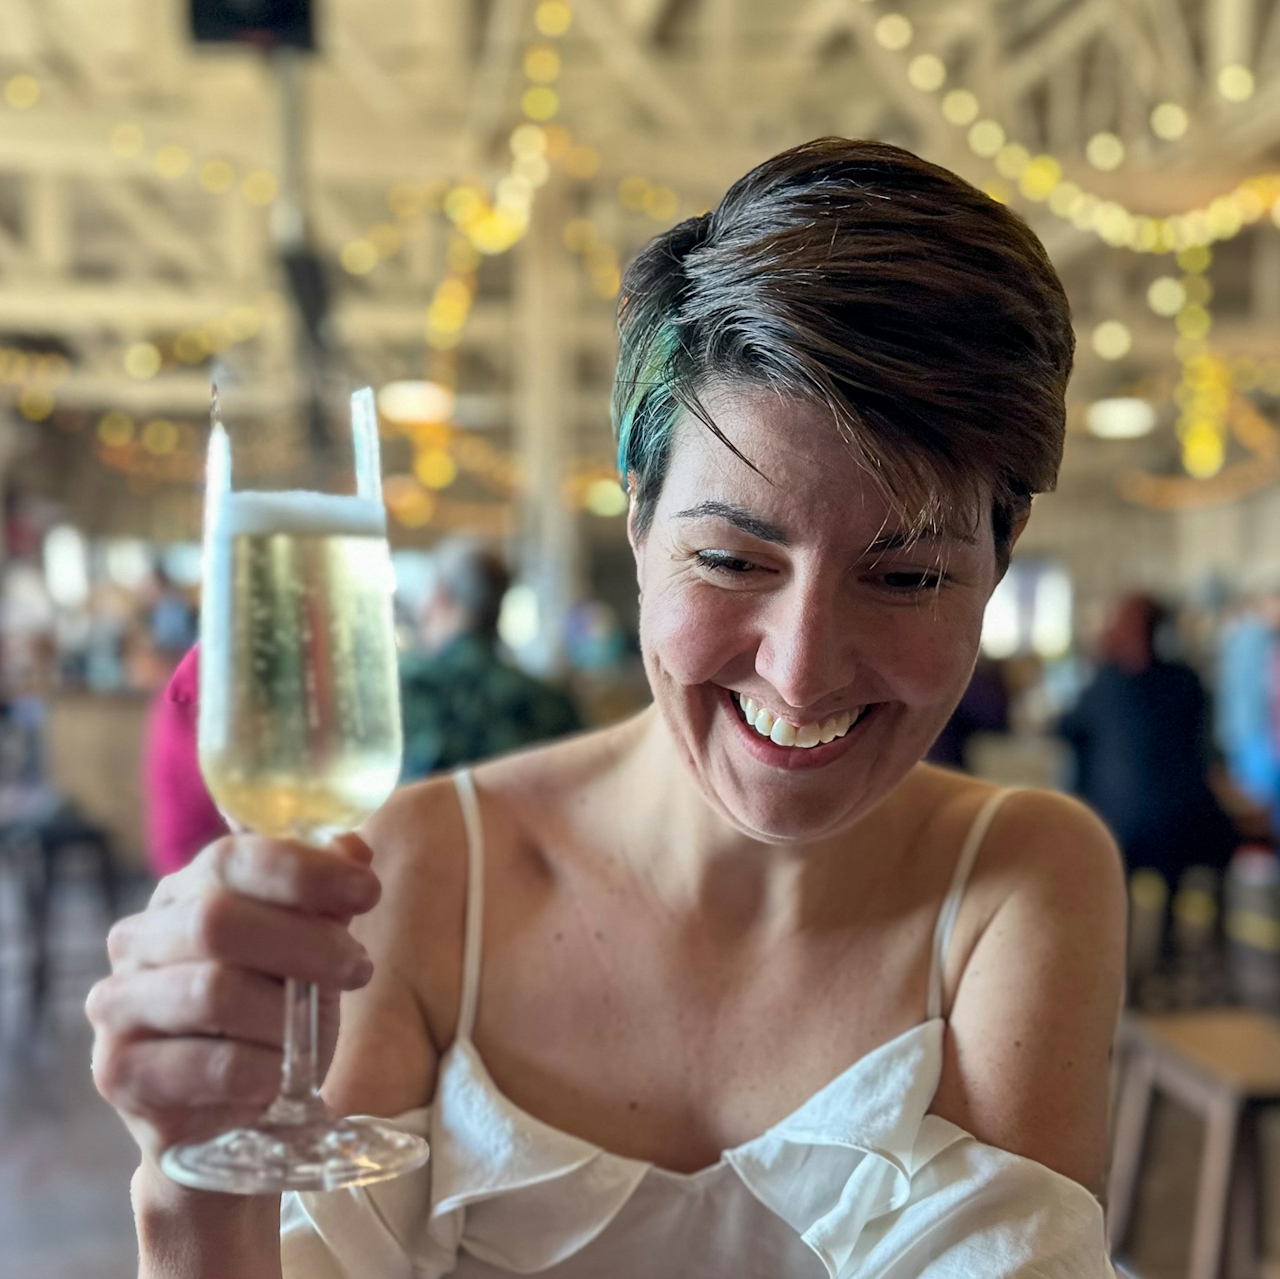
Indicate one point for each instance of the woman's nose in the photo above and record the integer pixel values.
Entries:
(806, 649)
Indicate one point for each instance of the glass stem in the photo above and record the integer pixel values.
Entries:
(298, 1082)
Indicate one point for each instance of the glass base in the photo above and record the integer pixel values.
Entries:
(295, 1146)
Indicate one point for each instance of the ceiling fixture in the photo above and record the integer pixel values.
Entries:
(1124, 417)
(407, 403)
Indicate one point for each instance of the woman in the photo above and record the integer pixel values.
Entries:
(739, 987)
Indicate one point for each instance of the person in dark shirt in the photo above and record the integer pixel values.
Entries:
(461, 700)
(1140, 734)
(984, 708)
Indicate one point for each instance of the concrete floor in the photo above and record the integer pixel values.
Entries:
(65, 1160)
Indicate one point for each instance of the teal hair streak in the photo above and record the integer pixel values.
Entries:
(645, 403)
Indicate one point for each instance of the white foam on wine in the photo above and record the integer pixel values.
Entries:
(259, 514)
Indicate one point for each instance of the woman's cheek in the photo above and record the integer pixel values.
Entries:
(928, 664)
(694, 631)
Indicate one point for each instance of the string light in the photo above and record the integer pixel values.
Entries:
(960, 107)
(1105, 151)
(894, 31)
(605, 497)
(260, 187)
(358, 257)
(126, 140)
(553, 17)
(1235, 83)
(435, 468)
(483, 226)
(451, 302)
(22, 92)
(1166, 296)
(217, 176)
(159, 437)
(927, 72)
(1112, 340)
(36, 403)
(142, 360)
(115, 429)
(19, 367)
(598, 255)
(1221, 219)
(1169, 121)
(172, 161)
(1210, 403)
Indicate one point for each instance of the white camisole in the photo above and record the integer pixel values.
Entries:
(859, 1182)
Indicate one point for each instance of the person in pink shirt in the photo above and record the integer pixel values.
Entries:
(181, 815)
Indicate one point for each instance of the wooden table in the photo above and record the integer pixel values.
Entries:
(1224, 1064)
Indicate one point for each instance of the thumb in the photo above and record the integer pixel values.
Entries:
(351, 846)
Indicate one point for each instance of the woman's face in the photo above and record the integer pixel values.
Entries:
(796, 596)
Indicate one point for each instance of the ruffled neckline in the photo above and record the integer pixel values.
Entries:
(884, 1116)
(523, 1195)
(534, 1194)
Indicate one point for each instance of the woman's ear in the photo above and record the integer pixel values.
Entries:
(633, 535)
(1017, 522)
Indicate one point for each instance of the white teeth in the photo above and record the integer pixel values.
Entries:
(803, 736)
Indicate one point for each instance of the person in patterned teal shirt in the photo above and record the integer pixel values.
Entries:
(462, 702)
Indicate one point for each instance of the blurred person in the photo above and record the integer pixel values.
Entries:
(461, 701)
(1248, 709)
(1140, 735)
(181, 815)
(146, 667)
(984, 708)
(171, 617)
(738, 987)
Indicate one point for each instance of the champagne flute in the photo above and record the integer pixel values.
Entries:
(300, 738)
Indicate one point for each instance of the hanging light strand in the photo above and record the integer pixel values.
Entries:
(1040, 177)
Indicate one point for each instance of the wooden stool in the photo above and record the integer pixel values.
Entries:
(1224, 1064)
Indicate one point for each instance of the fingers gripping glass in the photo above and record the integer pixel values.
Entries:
(299, 737)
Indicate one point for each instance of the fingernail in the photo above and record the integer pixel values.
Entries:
(356, 849)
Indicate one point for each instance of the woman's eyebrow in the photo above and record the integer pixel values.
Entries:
(904, 539)
(740, 518)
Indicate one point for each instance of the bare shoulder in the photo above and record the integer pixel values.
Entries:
(389, 1040)
(419, 853)
(395, 1031)
(1035, 982)
(1041, 850)
(1045, 838)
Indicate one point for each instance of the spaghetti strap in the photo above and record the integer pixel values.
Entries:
(955, 895)
(471, 946)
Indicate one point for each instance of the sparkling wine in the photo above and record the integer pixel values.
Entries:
(300, 703)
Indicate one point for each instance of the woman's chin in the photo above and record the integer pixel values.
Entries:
(779, 812)
(789, 824)
(797, 805)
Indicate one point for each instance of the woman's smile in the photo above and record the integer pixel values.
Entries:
(780, 743)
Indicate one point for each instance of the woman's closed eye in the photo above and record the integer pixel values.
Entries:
(907, 580)
(726, 563)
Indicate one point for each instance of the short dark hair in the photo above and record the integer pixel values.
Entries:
(476, 578)
(923, 313)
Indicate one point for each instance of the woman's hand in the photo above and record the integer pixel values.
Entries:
(189, 1025)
